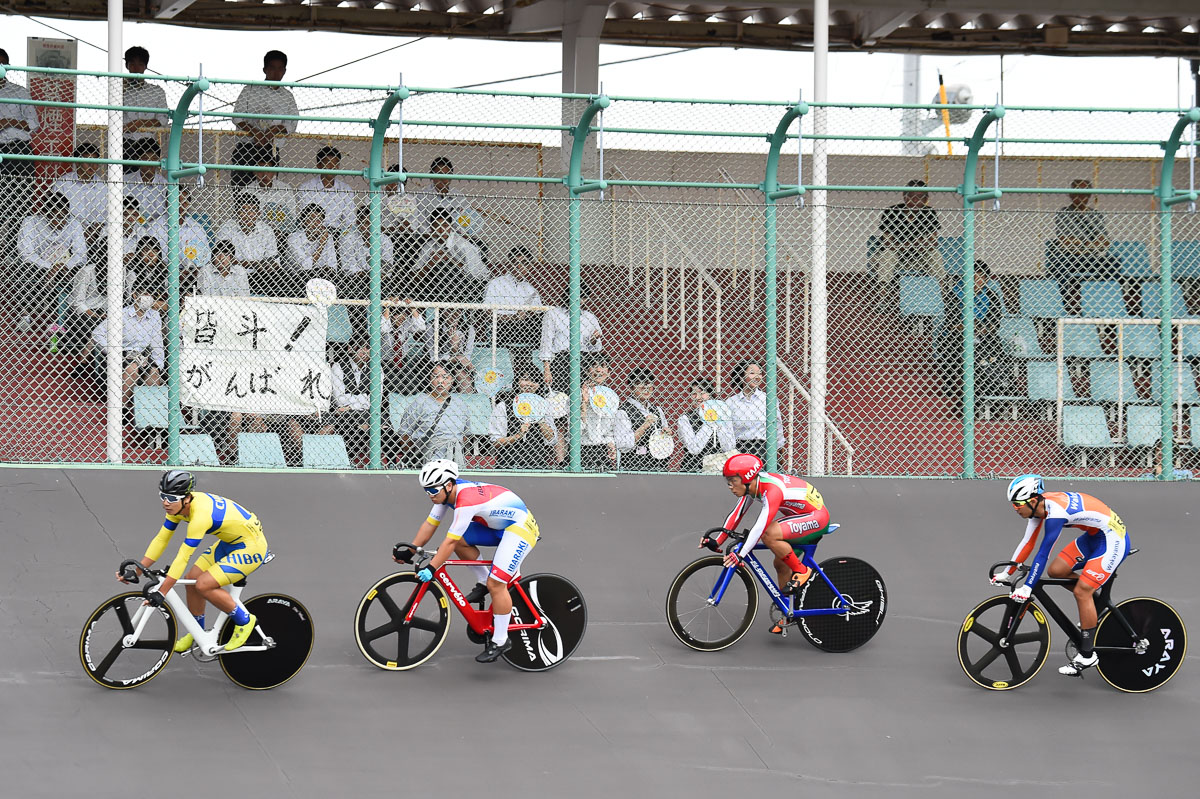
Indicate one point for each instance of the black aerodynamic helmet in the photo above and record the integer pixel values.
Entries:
(177, 483)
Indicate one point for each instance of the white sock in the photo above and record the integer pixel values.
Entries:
(480, 572)
(501, 632)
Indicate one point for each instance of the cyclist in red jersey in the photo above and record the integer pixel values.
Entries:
(803, 518)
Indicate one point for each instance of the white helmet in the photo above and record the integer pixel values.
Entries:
(435, 473)
(1023, 487)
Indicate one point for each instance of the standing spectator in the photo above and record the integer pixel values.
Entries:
(17, 124)
(277, 200)
(333, 194)
(255, 245)
(139, 126)
(701, 437)
(268, 100)
(312, 251)
(602, 433)
(442, 197)
(351, 377)
(1080, 246)
(52, 248)
(86, 192)
(555, 347)
(748, 409)
(224, 276)
(149, 186)
(646, 421)
(449, 268)
(947, 337)
(141, 343)
(434, 424)
(908, 238)
(521, 443)
(517, 330)
(195, 251)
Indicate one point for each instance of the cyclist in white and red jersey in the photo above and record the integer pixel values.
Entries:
(803, 517)
(1095, 554)
(481, 514)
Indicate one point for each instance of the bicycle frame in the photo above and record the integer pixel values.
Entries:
(479, 620)
(1070, 629)
(783, 603)
(205, 640)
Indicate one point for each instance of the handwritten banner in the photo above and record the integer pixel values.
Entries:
(245, 355)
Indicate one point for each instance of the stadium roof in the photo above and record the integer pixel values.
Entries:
(1048, 27)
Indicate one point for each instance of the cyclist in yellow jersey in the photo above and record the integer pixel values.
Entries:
(240, 550)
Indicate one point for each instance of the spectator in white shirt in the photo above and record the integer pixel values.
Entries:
(52, 248)
(401, 221)
(224, 276)
(254, 241)
(276, 197)
(601, 434)
(354, 256)
(555, 346)
(86, 191)
(195, 251)
(141, 343)
(449, 268)
(517, 330)
(150, 269)
(351, 377)
(18, 122)
(748, 409)
(141, 93)
(312, 250)
(149, 185)
(443, 197)
(522, 442)
(701, 437)
(132, 230)
(268, 100)
(333, 194)
(644, 419)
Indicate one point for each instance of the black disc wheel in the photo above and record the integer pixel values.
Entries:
(704, 625)
(1002, 668)
(865, 606)
(564, 616)
(288, 625)
(1149, 658)
(383, 634)
(106, 654)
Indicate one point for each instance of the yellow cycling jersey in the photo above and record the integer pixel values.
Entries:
(211, 514)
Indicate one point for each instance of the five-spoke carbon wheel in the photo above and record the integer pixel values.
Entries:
(1002, 668)
(383, 634)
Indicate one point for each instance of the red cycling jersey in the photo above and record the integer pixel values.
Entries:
(785, 495)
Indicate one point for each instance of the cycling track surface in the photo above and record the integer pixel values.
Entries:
(634, 713)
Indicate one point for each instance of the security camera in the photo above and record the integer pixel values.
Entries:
(956, 94)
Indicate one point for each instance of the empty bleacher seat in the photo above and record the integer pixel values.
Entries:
(1085, 427)
(1102, 298)
(260, 449)
(1019, 337)
(1143, 425)
(492, 374)
(1134, 257)
(1182, 377)
(954, 254)
(1139, 341)
(197, 449)
(479, 406)
(396, 405)
(1041, 299)
(1185, 259)
(149, 406)
(1190, 339)
(1151, 297)
(340, 329)
(1111, 382)
(1081, 341)
(324, 452)
(920, 296)
(1041, 380)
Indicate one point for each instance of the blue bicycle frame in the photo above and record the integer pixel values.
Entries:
(768, 584)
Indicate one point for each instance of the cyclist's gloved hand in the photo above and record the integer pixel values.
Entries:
(425, 575)
(1022, 594)
(403, 553)
(733, 559)
(710, 543)
(155, 599)
(1002, 578)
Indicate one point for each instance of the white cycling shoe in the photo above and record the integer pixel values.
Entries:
(1078, 664)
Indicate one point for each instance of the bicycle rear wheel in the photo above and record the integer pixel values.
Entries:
(101, 644)
(286, 622)
(1156, 623)
(700, 624)
(1002, 669)
(862, 587)
(384, 638)
(564, 612)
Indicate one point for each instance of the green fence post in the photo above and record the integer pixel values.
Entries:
(1168, 197)
(970, 197)
(376, 178)
(175, 171)
(771, 192)
(576, 185)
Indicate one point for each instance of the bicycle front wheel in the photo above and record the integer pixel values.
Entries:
(863, 589)
(1003, 668)
(289, 626)
(703, 625)
(380, 629)
(1147, 661)
(102, 649)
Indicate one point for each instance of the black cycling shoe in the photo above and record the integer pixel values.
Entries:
(491, 651)
(477, 594)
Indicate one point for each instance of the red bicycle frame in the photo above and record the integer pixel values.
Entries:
(479, 620)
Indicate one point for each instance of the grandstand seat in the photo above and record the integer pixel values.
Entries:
(197, 449)
(1134, 257)
(1041, 381)
(1102, 298)
(479, 406)
(1105, 377)
(324, 452)
(396, 405)
(1150, 301)
(149, 406)
(1140, 341)
(1019, 337)
(954, 254)
(1185, 260)
(920, 296)
(492, 375)
(340, 329)
(1190, 336)
(1081, 341)
(1085, 427)
(1143, 425)
(260, 449)
(1185, 380)
(1041, 299)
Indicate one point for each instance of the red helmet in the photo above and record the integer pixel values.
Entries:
(744, 466)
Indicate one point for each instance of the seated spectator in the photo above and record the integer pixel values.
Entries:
(354, 256)
(148, 186)
(18, 122)
(195, 251)
(449, 268)
(52, 250)
(908, 238)
(333, 194)
(267, 100)
(351, 416)
(442, 197)
(150, 272)
(133, 228)
(140, 126)
(142, 345)
(1079, 250)
(276, 197)
(434, 424)
(947, 336)
(451, 342)
(312, 251)
(86, 191)
(522, 443)
(701, 437)
(254, 242)
(403, 333)
(517, 330)
(555, 346)
(224, 276)
(601, 434)
(88, 301)
(646, 421)
(748, 410)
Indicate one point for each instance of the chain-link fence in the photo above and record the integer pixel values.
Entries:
(256, 344)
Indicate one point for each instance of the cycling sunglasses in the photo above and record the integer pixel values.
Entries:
(171, 497)
(1019, 503)
(433, 492)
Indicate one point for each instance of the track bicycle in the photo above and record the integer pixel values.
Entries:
(1003, 643)
(401, 622)
(126, 642)
(710, 606)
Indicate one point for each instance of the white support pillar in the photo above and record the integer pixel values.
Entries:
(116, 266)
(820, 297)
